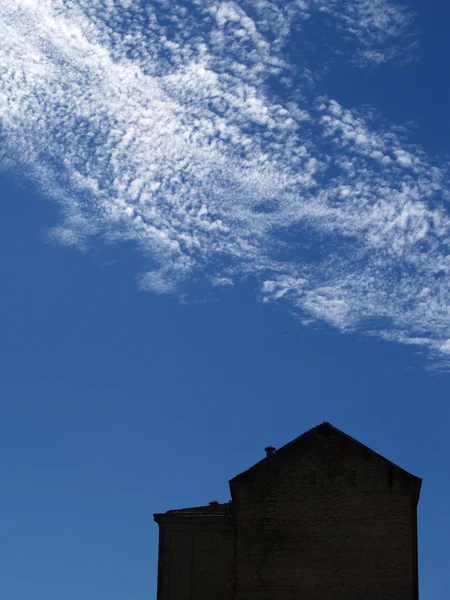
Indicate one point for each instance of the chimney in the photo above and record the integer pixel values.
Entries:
(213, 503)
(269, 450)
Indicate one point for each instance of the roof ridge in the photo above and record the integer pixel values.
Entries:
(311, 429)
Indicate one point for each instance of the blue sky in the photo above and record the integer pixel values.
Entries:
(223, 223)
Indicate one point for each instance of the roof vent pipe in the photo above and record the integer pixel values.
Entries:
(269, 450)
(213, 503)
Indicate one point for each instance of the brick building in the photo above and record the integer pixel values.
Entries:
(322, 518)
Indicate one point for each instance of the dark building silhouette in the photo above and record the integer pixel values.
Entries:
(322, 518)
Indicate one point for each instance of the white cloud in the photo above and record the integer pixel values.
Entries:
(378, 30)
(221, 281)
(155, 124)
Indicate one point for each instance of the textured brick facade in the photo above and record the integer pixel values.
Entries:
(322, 518)
(196, 551)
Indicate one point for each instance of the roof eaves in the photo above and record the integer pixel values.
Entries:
(217, 510)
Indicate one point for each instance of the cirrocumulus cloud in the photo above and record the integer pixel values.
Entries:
(187, 129)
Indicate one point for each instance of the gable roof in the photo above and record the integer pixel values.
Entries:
(301, 441)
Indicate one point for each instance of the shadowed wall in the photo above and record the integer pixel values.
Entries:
(324, 517)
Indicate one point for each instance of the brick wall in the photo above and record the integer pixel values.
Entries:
(196, 558)
(332, 522)
(325, 518)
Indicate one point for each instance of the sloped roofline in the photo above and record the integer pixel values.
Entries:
(322, 426)
(217, 510)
